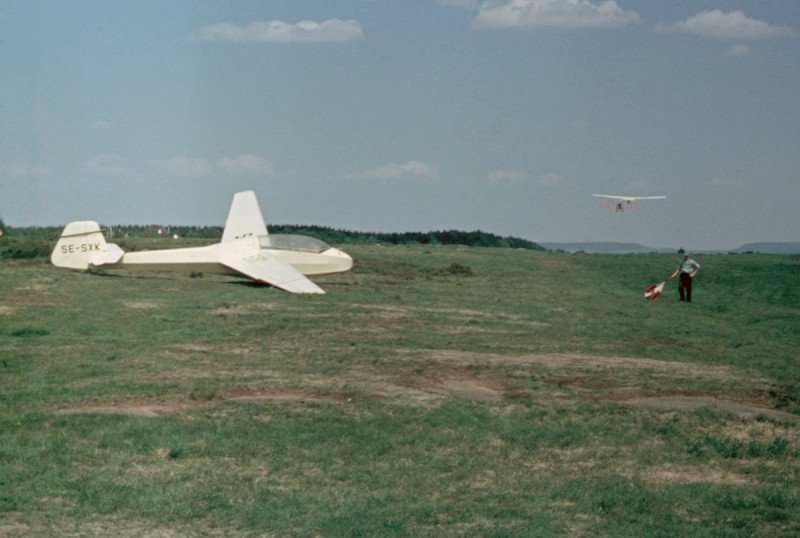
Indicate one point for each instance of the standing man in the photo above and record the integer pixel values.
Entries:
(687, 270)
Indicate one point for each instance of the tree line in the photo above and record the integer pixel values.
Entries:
(37, 241)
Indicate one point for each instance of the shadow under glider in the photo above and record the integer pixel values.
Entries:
(247, 250)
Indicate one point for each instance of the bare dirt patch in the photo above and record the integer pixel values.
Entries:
(134, 410)
(288, 395)
(473, 389)
(388, 389)
(464, 385)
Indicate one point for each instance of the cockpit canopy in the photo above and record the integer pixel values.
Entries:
(293, 242)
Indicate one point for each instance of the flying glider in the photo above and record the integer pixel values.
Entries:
(247, 250)
(624, 203)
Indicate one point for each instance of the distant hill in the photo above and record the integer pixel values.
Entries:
(605, 248)
(789, 247)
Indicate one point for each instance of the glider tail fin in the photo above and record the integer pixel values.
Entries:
(82, 244)
(245, 219)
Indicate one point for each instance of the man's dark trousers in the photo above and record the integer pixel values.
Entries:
(685, 287)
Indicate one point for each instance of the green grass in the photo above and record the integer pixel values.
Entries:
(434, 391)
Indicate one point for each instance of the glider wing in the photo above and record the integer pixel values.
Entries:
(246, 257)
(629, 198)
(612, 196)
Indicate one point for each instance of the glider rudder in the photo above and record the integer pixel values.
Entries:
(82, 244)
(245, 219)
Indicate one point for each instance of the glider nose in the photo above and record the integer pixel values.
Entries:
(340, 260)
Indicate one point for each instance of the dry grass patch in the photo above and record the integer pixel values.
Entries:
(626, 379)
(33, 295)
(148, 408)
(465, 314)
(141, 305)
(579, 361)
(764, 431)
(692, 403)
(214, 349)
(684, 474)
(103, 526)
(241, 309)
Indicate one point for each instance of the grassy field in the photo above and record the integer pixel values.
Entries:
(434, 391)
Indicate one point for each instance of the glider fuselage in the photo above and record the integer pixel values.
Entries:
(206, 260)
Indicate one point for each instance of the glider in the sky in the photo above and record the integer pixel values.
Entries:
(624, 203)
(246, 250)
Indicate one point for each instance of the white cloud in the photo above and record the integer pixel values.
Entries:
(107, 165)
(510, 176)
(183, 166)
(641, 186)
(738, 50)
(27, 170)
(724, 182)
(188, 167)
(514, 176)
(733, 25)
(556, 13)
(332, 30)
(246, 164)
(550, 180)
(409, 170)
(471, 5)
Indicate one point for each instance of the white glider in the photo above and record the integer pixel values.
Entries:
(247, 249)
(623, 203)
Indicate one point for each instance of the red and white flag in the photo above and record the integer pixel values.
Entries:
(654, 292)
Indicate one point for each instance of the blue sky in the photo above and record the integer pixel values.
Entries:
(378, 115)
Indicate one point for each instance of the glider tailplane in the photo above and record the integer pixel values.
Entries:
(82, 244)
